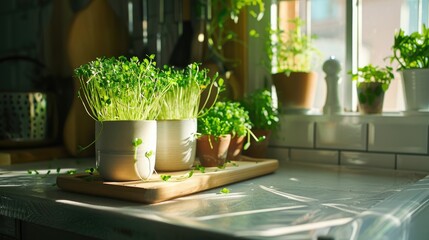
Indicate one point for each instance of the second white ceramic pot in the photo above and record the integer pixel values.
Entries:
(176, 144)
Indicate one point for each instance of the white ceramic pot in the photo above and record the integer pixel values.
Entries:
(176, 144)
(117, 158)
(415, 88)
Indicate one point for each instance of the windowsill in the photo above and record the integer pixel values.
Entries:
(396, 117)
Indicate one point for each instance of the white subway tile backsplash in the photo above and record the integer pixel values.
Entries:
(366, 159)
(338, 135)
(279, 153)
(399, 138)
(314, 156)
(294, 134)
(413, 162)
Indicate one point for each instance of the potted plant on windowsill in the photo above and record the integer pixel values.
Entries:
(372, 83)
(264, 118)
(177, 121)
(123, 97)
(292, 56)
(411, 53)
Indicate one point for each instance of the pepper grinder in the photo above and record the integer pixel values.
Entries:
(332, 68)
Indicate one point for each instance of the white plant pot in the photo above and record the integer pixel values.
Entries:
(415, 88)
(176, 145)
(116, 157)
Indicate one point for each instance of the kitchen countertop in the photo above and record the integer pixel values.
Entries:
(298, 201)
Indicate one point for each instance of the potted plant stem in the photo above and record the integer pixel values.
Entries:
(123, 97)
(264, 118)
(177, 121)
(292, 55)
(372, 83)
(411, 53)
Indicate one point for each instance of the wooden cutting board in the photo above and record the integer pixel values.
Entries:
(156, 190)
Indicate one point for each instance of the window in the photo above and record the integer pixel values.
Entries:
(373, 24)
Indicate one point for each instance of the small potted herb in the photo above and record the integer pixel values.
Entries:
(264, 118)
(123, 96)
(240, 128)
(410, 51)
(293, 54)
(372, 83)
(177, 121)
(226, 118)
(214, 131)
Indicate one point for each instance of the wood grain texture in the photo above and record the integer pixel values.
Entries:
(156, 190)
(96, 31)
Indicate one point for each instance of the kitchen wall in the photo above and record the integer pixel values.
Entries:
(392, 141)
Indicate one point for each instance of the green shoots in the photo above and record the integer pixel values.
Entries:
(120, 88)
(182, 100)
(411, 51)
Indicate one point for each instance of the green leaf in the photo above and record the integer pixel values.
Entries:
(165, 177)
(148, 154)
(224, 191)
(137, 142)
(200, 168)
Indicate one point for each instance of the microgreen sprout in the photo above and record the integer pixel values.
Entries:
(187, 175)
(148, 154)
(224, 191)
(200, 168)
(32, 172)
(165, 178)
(136, 143)
(71, 172)
(91, 171)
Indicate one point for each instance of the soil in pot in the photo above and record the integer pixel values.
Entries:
(212, 151)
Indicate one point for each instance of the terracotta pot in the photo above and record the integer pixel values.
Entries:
(258, 149)
(235, 147)
(116, 157)
(212, 151)
(371, 97)
(176, 144)
(295, 92)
